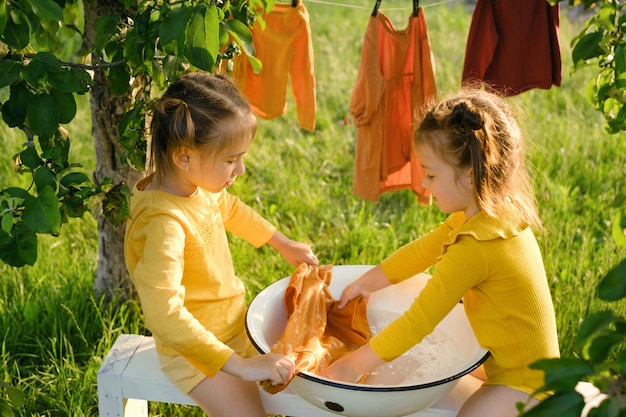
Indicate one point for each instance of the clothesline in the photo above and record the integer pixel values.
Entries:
(356, 6)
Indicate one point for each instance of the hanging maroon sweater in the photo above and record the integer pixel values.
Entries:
(513, 46)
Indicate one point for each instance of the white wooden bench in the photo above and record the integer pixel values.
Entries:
(130, 377)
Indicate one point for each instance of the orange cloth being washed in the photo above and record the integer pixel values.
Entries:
(317, 332)
(395, 77)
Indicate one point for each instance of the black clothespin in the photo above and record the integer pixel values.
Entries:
(376, 6)
(416, 7)
(294, 3)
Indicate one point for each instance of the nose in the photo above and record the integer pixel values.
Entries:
(240, 169)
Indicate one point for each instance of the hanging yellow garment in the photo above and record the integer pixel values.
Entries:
(285, 49)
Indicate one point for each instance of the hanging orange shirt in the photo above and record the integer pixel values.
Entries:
(513, 46)
(394, 79)
(286, 51)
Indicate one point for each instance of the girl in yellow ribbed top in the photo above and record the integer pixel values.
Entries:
(177, 251)
(484, 253)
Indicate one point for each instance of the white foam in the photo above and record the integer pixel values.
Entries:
(435, 358)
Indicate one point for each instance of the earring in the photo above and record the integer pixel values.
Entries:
(187, 169)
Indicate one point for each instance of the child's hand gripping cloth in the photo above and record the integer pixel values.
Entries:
(317, 333)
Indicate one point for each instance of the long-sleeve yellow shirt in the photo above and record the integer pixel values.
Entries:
(178, 257)
(496, 268)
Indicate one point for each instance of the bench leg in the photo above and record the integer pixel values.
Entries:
(111, 401)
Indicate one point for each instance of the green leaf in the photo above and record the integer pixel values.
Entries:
(620, 61)
(7, 223)
(587, 47)
(48, 61)
(172, 30)
(14, 109)
(613, 285)
(5, 409)
(16, 35)
(618, 230)
(44, 177)
(56, 149)
(67, 105)
(30, 158)
(119, 79)
(74, 178)
(242, 35)
(3, 15)
(9, 71)
(133, 49)
(561, 404)
(593, 323)
(256, 63)
(106, 27)
(15, 395)
(562, 373)
(70, 81)
(46, 9)
(20, 247)
(41, 214)
(601, 346)
(43, 115)
(203, 37)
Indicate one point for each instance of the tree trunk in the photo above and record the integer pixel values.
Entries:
(106, 112)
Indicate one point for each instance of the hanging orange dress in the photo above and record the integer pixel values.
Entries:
(513, 46)
(395, 77)
(285, 49)
(317, 333)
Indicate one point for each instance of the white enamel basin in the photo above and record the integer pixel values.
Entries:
(265, 322)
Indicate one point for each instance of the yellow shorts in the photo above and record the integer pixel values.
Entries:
(186, 376)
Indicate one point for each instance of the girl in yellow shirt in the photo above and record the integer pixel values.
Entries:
(177, 251)
(484, 253)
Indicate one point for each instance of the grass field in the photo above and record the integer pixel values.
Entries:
(55, 333)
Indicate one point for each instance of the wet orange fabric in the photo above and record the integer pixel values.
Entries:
(395, 78)
(317, 332)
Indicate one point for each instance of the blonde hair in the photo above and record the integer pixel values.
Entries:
(477, 130)
(198, 111)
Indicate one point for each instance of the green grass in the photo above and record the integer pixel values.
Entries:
(55, 333)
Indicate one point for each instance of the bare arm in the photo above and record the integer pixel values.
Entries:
(293, 252)
(372, 280)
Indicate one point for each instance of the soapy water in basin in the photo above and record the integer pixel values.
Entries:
(436, 356)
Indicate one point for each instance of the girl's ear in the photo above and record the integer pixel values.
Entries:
(468, 178)
(181, 158)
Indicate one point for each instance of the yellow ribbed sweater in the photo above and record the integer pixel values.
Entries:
(177, 253)
(496, 267)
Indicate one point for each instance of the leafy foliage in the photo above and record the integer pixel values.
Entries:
(603, 43)
(152, 41)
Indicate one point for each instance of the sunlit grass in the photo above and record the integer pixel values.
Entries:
(55, 332)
